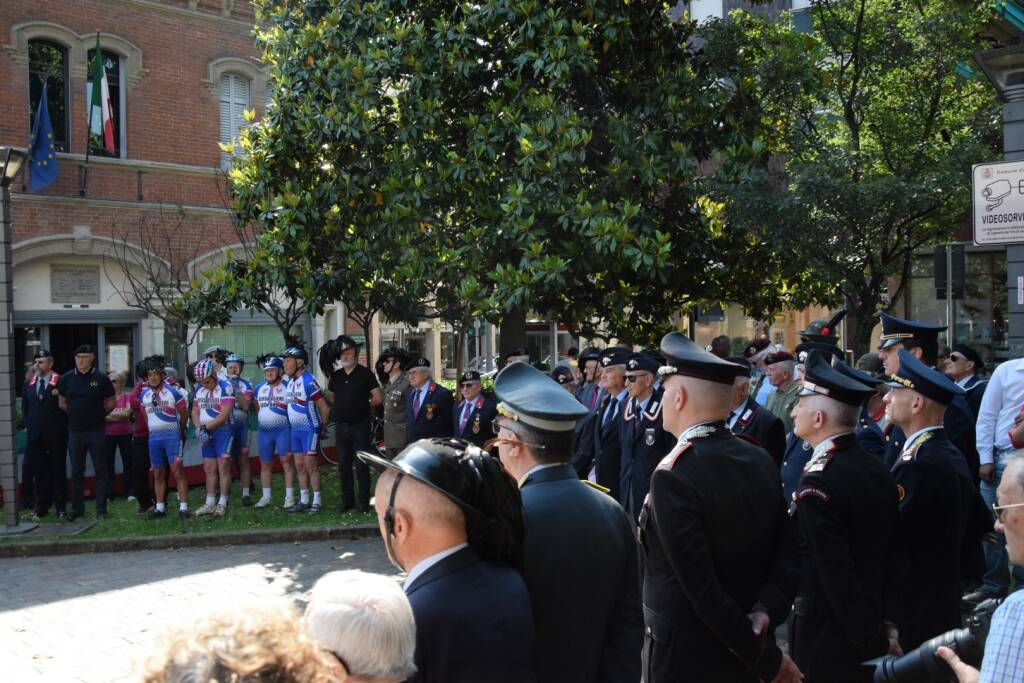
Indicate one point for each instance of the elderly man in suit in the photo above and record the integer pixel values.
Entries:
(428, 409)
(472, 417)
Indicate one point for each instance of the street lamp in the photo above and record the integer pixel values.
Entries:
(11, 162)
(1004, 67)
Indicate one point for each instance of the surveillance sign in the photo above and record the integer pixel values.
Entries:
(998, 197)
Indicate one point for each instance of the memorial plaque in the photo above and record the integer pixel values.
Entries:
(74, 284)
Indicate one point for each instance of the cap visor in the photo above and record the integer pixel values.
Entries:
(376, 461)
(886, 343)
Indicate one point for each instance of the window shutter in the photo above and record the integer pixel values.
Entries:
(234, 100)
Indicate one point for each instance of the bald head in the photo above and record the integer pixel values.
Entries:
(422, 503)
(688, 401)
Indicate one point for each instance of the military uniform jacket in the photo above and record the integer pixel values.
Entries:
(643, 442)
(846, 510)
(975, 392)
(764, 427)
(395, 429)
(43, 414)
(798, 453)
(870, 435)
(598, 447)
(581, 569)
(713, 536)
(478, 426)
(959, 425)
(473, 622)
(780, 404)
(435, 414)
(938, 505)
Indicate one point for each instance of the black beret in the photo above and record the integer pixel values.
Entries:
(755, 347)
(971, 355)
(470, 376)
(614, 355)
(825, 348)
(642, 361)
(42, 353)
(562, 375)
(683, 357)
(84, 348)
(779, 357)
(930, 383)
(418, 363)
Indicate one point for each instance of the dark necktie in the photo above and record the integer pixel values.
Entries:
(416, 404)
(466, 412)
(40, 387)
(609, 412)
(593, 398)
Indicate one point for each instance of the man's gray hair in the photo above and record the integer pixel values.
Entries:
(1018, 456)
(838, 412)
(366, 620)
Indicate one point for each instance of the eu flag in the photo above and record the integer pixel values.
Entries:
(42, 157)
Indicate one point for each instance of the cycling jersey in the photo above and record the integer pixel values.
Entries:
(303, 392)
(273, 402)
(213, 401)
(242, 387)
(162, 406)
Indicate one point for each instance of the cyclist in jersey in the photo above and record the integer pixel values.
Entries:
(274, 434)
(240, 423)
(211, 414)
(307, 413)
(166, 419)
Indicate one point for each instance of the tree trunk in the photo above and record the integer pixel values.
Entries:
(512, 331)
(369, 346)
(860, 321)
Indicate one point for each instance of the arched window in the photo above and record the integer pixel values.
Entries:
(48, 64)
(235, 98)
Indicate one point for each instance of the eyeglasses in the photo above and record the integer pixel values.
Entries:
(998, 509)
(465, 385)
(496, 428)
(956, 357)
(633, 378)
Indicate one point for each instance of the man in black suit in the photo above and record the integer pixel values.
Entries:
(452, 518)
(749, 418)
(921, 341)
(713, 534)
(643, 442)
(598, 459)
(580, 556)
(846, 509)
(963, 367)
(428, 408)
(472, 417)
(46, 452)
(941, 513)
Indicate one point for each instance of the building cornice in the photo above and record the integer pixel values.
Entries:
(117, 203)
(192, 11)
(143, 165)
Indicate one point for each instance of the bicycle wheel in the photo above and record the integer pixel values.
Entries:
(327, 439)
(377, 435)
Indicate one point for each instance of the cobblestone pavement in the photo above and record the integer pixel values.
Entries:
(93, 617)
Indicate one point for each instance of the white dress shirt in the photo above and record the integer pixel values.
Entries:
(962, 383)
(428, 562)
(1003, 399)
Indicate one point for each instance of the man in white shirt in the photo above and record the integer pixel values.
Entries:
(1001, 403)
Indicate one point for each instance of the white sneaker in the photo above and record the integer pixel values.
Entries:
(206, 509)
(289, 502)
(133, 499)
(263, 502)
(220, 510)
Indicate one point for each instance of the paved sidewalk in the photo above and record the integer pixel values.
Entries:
(92, 617)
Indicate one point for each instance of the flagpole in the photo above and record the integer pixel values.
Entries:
(88, 123)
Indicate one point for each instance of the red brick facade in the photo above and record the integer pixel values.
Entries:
(171, 116)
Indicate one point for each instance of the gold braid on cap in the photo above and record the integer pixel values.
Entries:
(897, 335)
(902, 380)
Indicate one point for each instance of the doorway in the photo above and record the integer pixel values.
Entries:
(64, 339)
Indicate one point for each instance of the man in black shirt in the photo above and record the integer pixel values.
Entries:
(87, 395)
(351, 390)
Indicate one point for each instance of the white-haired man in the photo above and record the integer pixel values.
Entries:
(365, 621)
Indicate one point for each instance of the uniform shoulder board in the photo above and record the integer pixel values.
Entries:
(807, 491)
(669, 461)
(596, 486)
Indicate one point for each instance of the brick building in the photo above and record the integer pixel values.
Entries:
(181, 72)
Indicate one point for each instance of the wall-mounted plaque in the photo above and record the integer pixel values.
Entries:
(74, 284)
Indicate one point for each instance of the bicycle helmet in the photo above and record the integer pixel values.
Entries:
(203, 369)
(273, 362)
(296, 352)
(235, 358)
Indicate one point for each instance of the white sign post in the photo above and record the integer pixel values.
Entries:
(997, 192)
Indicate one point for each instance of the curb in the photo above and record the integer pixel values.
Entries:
(116, 545)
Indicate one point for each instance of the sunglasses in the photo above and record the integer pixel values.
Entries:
(633, 378)
(464, 385)
(956, 357)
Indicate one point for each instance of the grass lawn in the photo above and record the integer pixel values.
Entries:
(124, 521)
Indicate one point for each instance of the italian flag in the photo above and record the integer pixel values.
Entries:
(100, 122)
